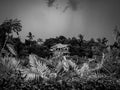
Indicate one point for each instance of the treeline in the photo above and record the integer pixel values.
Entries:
(77, 46)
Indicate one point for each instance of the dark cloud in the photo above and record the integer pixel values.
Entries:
(50, 2)
(74, 4)
(94, 18)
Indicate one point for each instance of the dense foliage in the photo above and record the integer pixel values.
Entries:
(81, 51)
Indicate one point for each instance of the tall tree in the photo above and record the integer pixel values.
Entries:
(117, 35)
(81, 37)
(30, 36)
(9, 27)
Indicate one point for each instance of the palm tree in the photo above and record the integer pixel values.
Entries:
(30, 36)
(81, 37)
(117, 34)
(8, 27)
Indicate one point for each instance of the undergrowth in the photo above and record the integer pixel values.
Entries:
(16, 82)
(13, 79)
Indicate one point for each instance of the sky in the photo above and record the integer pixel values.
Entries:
(92, 18)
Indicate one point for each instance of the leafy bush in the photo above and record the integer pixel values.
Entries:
(12, 79)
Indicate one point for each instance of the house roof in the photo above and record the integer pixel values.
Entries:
(59, 46)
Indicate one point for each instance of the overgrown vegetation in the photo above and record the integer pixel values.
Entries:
(91, 65)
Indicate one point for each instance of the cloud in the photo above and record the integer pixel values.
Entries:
(73, 4)
(50, 2)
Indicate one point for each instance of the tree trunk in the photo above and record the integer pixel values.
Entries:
(5, 42)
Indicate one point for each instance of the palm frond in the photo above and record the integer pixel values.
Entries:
(37, 69)
(8, 65)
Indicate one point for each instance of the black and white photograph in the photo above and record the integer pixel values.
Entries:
(59, 44)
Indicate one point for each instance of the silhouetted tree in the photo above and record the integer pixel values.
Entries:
(104, 40)
(7, 28)
(61, 39)
(50, 42)
(30, 36)
(81, 37)
(117, 35)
